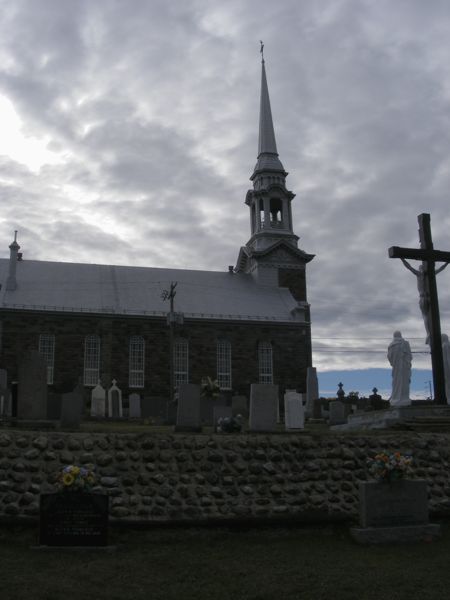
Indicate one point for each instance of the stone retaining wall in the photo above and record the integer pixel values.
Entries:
(184, 477)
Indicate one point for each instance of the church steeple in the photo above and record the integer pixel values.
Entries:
(272, 250)
(267, 146)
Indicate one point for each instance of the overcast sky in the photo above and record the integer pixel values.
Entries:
(128, 132)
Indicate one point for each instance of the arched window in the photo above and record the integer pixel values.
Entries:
(47, 351)
(181, 361)
(265, 361)
(136, 364)
(224, 364)
(91, 360)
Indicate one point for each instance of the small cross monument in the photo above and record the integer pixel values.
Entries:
(429, 297)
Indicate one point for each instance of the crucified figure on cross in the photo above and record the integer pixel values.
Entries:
(429, 304)
(424, 292)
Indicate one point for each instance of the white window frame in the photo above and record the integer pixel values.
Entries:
(92, 348)
(180, 361)
(47, 351)
(265, 362)
(224, 364)
(136, 375)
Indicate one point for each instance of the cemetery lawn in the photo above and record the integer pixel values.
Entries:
(298, 563)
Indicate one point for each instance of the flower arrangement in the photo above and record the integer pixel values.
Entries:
(210, 388)
(76, 479)
(229, 424)
(389, 467)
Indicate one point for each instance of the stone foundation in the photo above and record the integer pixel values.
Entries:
(195, 477)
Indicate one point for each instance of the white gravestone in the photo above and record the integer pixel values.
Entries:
(98, 401)
(294, 414)
(312, 390)
(134, 403)
(115, 401)
(263, 407)
(188, 409)
(338, 413)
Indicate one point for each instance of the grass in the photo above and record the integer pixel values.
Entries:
(257, 564)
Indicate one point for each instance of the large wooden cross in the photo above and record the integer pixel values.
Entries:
(429, 256)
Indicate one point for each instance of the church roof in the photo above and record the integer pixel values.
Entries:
(109, 289)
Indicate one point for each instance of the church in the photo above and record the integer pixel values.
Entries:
(247, 324)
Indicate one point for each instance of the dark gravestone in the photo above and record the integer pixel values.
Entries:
(263, 407)
(73, 519)
(72, 409)
(14, 398)
(188, 409)
(134, 406)
(54, 406)
(397, 503)
(5, 408)
(32, 387)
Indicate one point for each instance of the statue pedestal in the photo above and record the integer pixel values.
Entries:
(431, 415)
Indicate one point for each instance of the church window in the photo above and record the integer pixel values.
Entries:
(47, 351)
(137, 356)
(224, 364)
(261, 210)
(91, 360)
(265, 360)
(181, 361)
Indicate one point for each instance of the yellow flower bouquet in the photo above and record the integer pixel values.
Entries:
(76, 479)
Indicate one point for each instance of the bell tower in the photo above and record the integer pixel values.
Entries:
(272, 255)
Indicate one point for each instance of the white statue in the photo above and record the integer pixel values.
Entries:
(446, 361)
(400, 357)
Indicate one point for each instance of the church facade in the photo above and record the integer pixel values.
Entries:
(247, 324)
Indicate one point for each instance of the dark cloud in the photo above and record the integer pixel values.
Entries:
(150, 111)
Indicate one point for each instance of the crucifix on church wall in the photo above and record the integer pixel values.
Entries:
(429, 303)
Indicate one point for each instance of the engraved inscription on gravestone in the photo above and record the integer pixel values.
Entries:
(392, 504)
(73, 519)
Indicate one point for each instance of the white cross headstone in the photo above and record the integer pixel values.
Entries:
(114, 401)
(98, 397)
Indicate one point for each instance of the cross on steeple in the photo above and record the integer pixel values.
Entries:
(429, 256)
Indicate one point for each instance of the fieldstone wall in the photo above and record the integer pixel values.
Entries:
(184, 477)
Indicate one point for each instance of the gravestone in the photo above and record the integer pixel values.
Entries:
(5, 409)
(239, 406)
(98, 401)
(312, 391)
(32, 387)
(134, 406)
(338, 413)
(188, 410)
(294, 414)
(263, 407)
(394, 512)
(54, 406)
(72, 408)
(115, 409)
(73, 519)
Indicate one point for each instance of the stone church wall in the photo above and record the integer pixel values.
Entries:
(290, 342)
(161, 478)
